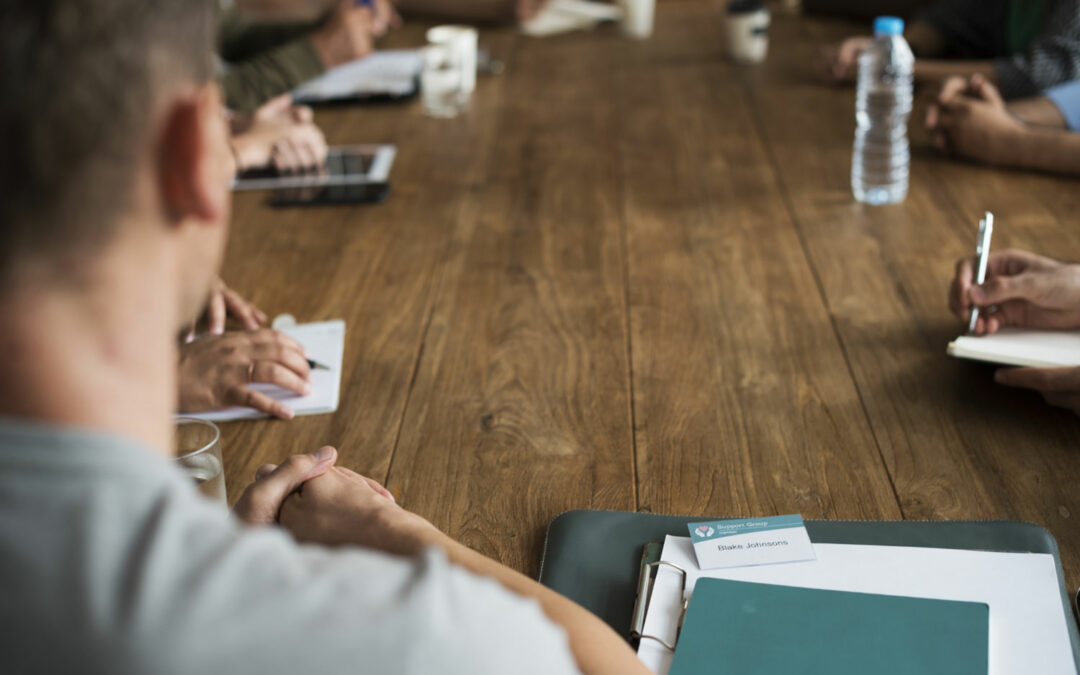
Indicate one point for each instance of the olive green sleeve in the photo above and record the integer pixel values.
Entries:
(263, 60)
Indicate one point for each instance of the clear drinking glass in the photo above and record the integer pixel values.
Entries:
(441, 82)
(198, 454)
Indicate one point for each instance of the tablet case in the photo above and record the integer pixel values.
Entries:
(594, 557)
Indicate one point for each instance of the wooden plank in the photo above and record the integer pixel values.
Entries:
(376, 266)
(956, 445)
(743, 402)
(521, 406)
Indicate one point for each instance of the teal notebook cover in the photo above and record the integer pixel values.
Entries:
(762, 629)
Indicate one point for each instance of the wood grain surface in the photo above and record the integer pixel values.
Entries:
(633, 276)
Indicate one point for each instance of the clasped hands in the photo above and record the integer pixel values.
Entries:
(1026, 291)
(319, 502)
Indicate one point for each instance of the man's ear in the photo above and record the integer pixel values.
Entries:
(194, 159)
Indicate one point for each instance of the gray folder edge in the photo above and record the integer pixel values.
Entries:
(594, 557)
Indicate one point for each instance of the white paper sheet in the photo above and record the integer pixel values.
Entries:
(1028, 630)
(1017, 347)
(565, 16)
(325, 342)
(391, 72)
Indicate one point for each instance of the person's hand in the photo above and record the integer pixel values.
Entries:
(281, 135)
(215, 371)
(970, 118)
(1021, 289)
(1059, 386)
(346, 35)
(342, 507)
(384, 17)
(262, 500)
(224, 302)
(839, 63)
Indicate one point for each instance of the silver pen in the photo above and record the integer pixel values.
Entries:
(982, 256)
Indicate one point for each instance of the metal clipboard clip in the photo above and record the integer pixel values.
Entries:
(650, 563)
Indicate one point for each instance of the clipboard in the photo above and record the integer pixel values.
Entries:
(600, 559)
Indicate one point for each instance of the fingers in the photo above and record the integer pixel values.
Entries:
(249, 398)
(999, 289)
(959, 296)
(953, 87)
(264, 471)
(216, 313)
(986, 90)
(1050, 380)
(248, 314)
(261, 502)
(269, 372)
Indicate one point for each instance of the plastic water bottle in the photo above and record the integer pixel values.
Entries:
(882, 157)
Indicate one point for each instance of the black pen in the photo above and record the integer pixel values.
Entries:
(315, 365)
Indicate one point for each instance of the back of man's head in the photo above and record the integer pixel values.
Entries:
(79, 87)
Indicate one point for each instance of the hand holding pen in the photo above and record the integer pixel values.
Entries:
(1019, 289)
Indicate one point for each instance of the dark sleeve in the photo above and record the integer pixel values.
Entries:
(970, 29)
(1053, 58)
(263, 60)
(251, 83)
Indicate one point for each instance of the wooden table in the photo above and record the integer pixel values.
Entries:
(633, 277)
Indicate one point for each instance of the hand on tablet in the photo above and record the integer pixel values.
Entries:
(215, 371)
(1022, 289)
(279, 135)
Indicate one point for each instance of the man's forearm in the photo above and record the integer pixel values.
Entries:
(596, 647)
(934, 71)
(1050, 150)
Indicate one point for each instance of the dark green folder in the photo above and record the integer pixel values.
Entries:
(763, 629)
(594, 557)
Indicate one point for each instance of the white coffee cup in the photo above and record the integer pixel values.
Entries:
(463, 41)
(638, 17)
(748, 31)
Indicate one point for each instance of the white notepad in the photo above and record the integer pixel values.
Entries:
(325, 342)
(1018, 347)
(1028, 629)
(393, 72)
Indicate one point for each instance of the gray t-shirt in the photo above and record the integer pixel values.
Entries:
(111, 562)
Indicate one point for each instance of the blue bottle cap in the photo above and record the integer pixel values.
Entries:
(888, 25)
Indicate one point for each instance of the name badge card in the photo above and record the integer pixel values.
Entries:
(754, 541)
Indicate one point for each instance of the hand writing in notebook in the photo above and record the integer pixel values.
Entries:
(216, 371)
(1024, 290)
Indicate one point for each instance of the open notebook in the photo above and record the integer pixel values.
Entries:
(325, 342)
(1028, 629)
(384, 74)
(1018, 347)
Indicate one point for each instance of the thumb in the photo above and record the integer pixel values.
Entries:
(260, 503)
(1000, 289)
